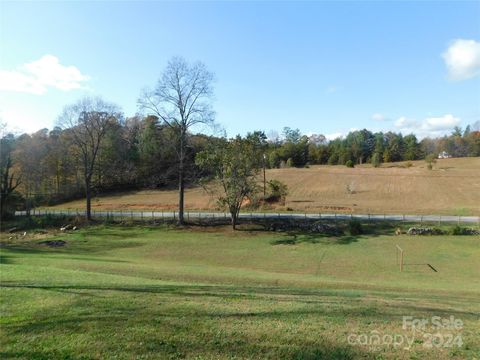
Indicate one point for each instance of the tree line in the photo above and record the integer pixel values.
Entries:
(364, 146)
(96, 149)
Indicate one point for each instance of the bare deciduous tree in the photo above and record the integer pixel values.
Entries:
(87, 122)
(181, 99)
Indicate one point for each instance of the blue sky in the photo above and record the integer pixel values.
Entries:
(324, 67)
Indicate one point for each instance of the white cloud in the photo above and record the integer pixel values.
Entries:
(431, 126)
(20, 120)
(38, 76)
(462, 59)
(405, 123)
(379, 117)
(333, 136)
(445, 122)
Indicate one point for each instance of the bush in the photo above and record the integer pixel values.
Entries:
(376, 162)
(355, 227)
(277, 191)
(350, 164)
(458, 230)
(289, 162)
(430, 159)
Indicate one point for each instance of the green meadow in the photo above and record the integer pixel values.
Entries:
(131, 292)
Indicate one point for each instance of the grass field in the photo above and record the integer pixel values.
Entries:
(210, 293)
(452, 188)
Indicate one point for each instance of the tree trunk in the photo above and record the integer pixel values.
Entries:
(181, 194)
(181, 179)
(3, 203)
(234, 213)
(88, 195)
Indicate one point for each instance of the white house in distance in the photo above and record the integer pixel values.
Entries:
(444, 155)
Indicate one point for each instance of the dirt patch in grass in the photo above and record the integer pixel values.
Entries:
(54, 243)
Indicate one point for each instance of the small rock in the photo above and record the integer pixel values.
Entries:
(424, 231)
(66, 227)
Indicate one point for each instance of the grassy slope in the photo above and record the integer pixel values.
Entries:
(453, 188)
(140, 292)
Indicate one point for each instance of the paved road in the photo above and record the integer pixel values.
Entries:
(117, 214)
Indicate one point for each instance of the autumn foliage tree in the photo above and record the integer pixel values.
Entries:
(233, 164)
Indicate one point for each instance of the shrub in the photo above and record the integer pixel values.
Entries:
(458, 230)
(355, 227)
(277, 191)
(289, 162)
(430, 160)
(350, 164)
(376, 162)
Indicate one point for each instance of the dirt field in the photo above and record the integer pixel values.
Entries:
(452, 187)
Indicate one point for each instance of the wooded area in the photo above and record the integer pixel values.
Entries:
(95, 149)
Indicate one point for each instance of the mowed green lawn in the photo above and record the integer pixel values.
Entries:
(139, 292)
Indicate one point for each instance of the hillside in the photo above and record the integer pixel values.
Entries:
(452, 187)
